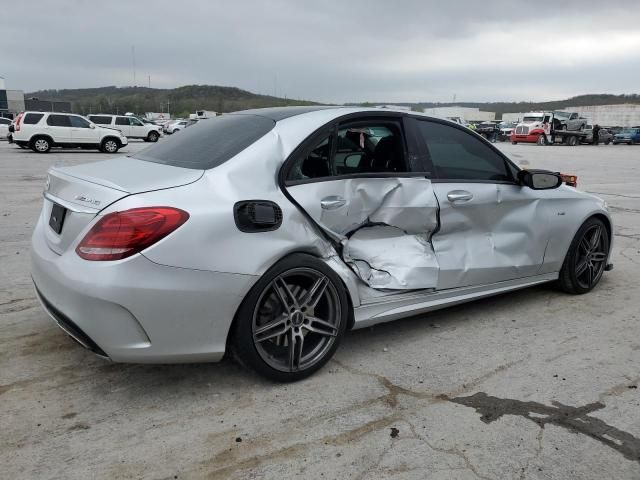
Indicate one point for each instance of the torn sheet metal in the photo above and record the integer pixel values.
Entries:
(383, 224)
(406, 203)
(386, 257)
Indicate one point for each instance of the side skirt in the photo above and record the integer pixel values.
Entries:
(393, 308)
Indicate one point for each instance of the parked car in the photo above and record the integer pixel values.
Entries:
(180, 125)
(506, 130)
(604, 135)
(488, 130)
(571, 121)
(41, 131)
(167, 127)
(4, 127)
(272, 232)
(628, 136)
(130, 126)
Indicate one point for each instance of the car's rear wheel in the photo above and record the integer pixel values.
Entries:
(110, 145)
(292, 320)
(587, 257)
(41, 144)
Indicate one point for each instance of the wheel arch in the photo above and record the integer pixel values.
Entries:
(42, 135)
(328, 261)
(108, 137)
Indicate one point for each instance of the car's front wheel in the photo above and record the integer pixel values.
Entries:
(153, 136)
(110, 145)
(292, 320)
(586, 259)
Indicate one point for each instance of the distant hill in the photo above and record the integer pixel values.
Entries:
(513, 107)
(182, 100)
(188, 99)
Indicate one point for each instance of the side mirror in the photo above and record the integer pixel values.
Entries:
(540, 179)
(91, 125)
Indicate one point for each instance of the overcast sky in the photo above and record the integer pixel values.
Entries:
(332, 51)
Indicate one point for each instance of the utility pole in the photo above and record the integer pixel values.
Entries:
(149, 81)
(133, 58)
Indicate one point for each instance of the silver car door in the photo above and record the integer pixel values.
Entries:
(379, 216)
(491, 228)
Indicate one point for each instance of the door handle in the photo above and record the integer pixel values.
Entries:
(332, 202)
(459, 196)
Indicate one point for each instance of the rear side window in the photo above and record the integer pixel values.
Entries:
(208, 144)
(100, 119)
(5, 121)
(59, 121)
(122, 121)
(460, 155)
(32, 118)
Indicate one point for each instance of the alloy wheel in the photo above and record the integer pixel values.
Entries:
(296, 320)
(591, 258)
(41, 145)
(111, 146)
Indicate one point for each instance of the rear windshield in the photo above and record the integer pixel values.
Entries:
(209, 143)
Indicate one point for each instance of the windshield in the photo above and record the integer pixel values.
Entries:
(531, 119)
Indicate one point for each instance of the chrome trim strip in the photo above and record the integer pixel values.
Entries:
(68, 205)
(394, 308)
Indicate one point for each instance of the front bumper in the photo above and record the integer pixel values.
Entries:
(525, 138)
(135, 310)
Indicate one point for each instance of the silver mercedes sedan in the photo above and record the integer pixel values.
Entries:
(269, 233)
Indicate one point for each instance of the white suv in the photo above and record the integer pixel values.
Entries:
(42, 130)
(131, 127)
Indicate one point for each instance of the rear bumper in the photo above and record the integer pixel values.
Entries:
(134, 310)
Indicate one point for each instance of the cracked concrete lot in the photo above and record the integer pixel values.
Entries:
(534, 384)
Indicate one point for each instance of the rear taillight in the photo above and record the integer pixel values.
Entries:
(18, 120)
(122, 234)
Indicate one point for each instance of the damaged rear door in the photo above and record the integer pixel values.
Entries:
(357, 183)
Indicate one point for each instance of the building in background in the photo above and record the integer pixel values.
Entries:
(624, 115)
(468, 114)
(11, 101)
(38, 105)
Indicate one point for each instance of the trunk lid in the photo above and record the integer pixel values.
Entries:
(85, 190)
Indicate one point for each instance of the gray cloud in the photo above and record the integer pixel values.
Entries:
(334, 51)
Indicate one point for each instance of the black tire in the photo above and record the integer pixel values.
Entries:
(585, 261)
(281, 299)
(541, 140)
(514, 143)
(572, 141)
(110, 145)
(607, 142)
(153, 136)
(40, 144)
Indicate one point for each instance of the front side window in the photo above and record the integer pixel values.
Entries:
(122, 121)
(59, 121)
(135, 122)
(5, 121)
(460, 155)
(79, 122)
